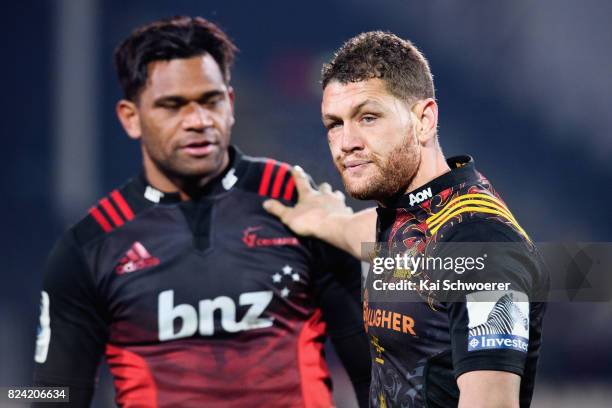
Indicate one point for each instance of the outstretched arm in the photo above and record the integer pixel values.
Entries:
(322, 213)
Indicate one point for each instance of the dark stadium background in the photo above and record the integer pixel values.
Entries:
(523, 86)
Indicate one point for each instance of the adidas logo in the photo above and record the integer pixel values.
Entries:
(135, 259)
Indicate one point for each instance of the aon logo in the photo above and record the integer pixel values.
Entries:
(416, 198)
(189, 323)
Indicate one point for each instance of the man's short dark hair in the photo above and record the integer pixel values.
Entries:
(378, 54)
(167, 39)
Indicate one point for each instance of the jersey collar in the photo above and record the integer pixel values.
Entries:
(229, 178)
(462, 171)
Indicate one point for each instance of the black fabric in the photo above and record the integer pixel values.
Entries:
(199, 214)
(79, 331)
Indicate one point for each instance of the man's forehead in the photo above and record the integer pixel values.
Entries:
(352, 94)
(184, 75)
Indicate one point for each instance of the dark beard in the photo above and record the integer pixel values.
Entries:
(394, 176)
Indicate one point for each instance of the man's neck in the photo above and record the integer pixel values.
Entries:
(433, 165)
(186, 187)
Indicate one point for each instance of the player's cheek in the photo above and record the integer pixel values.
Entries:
(334, 141)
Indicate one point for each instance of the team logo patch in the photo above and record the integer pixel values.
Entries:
(252, 240)
(499, 324)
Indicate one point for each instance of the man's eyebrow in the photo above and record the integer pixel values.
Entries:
(329, 116)
(354, 110)
(210, 94)
(363, 104)
(179, 99)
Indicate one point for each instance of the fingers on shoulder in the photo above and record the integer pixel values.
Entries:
(276, 208)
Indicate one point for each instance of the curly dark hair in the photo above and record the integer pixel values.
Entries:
(167, 39)
(378, 54)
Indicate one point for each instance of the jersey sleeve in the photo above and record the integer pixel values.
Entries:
(489, 329)
(337, 278)
(72, 332)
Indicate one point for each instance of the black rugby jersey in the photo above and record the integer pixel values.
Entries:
(421, 342)
(205, 303)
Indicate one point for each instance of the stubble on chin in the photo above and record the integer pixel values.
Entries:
(390, 177)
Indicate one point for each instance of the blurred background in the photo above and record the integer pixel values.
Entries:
(525, 87)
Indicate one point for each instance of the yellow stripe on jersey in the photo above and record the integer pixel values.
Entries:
(449, 206)
(475, 202)
(488, 204)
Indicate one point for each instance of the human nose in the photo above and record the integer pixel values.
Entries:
(351, 139)
(197, 118)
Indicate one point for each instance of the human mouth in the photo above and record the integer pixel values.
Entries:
(199, 148)
(355, 166)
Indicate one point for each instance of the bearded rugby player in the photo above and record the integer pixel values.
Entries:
(381, 117)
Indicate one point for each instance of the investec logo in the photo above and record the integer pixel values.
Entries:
(190, 323)
(419, 197)
(497, 341)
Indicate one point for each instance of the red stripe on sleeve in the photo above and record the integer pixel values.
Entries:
(289, 189)
(108, 208)
(123, 205)
(278, 180)
(265, 179)
(100, 219)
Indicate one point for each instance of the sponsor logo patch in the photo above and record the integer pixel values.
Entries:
(418, 197)
(499, 324)
(497, 341)
(184, 320)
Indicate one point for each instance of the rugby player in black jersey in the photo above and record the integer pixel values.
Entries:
(381, 117)
(194, 294)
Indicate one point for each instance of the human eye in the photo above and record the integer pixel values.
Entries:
(336, 124)
(368, 118)
(212, 101)
(170, 104)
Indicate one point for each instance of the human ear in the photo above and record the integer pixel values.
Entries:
(231, 95)
(127, 112)
(426, 114)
